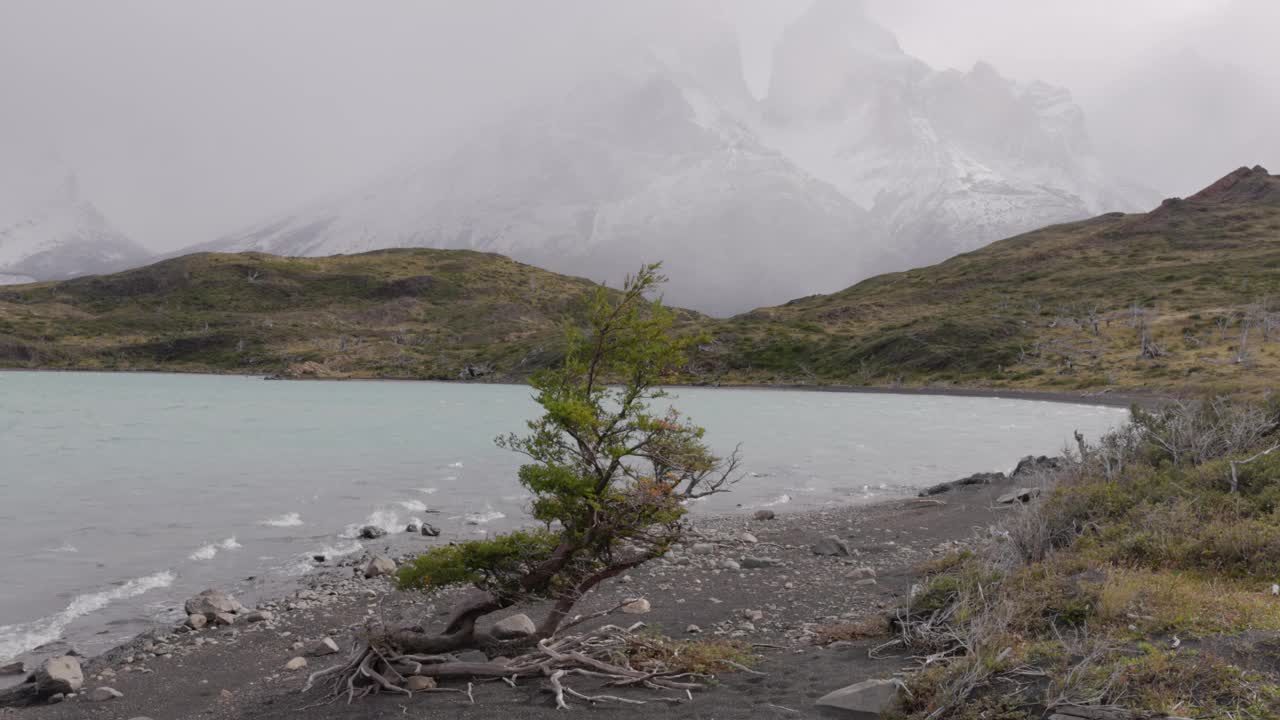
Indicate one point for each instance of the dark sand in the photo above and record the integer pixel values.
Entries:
(239, 672)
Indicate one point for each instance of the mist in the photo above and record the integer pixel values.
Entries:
(188, 122)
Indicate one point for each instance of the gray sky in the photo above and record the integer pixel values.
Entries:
(186, 119)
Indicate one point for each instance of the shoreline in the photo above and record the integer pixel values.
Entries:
(1105, 398)
(237, 671)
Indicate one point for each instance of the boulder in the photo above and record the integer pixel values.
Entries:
(832, 546)
(104, 694)
(411, 528)
(430, 530)
(58, 675)
(1030, 466)
(752, 563)
(321, 647)
(867, 700)
(13, 668)
(514, 627)
(224, 619)
(296, 664)
(318, 558)
(637, 607)
(380, 565)
(765, 514)
(211, 602)
(974, 479)
(372, 532)
(418, 683)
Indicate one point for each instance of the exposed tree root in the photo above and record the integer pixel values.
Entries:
(377, 667)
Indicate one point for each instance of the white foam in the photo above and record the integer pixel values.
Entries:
(210, 551)
(484, 517)
(428, 490)
(65, 548)
(413, 505)
(388, 520)
(17, 639)
(780, 500)
(292, 519)
(456, 465)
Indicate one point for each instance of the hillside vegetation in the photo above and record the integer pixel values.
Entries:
(1183, 298)
(1186, 296)
(439, 314)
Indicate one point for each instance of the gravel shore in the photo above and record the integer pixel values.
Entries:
(759, 581)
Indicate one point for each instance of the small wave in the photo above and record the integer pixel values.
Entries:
(780, 500)
(388, 520)
(456, 465)
(484, 517)
(292, 519)
(427, 491)
(413, 505)
(65, 548)
(210, 551)
(17, 639)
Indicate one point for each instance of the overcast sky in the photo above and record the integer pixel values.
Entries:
(186, 119)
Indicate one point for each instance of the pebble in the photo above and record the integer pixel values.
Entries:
(296, 664)
(418, 683)
(104, 694)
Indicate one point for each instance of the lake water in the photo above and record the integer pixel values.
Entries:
(121, 495)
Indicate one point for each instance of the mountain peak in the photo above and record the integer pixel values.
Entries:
(1242, 185)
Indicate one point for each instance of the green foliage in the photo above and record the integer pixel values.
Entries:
(608, 475)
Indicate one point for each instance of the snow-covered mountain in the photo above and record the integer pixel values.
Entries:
(860, 159)
(50, 231)
(945, 161)
(651, 157)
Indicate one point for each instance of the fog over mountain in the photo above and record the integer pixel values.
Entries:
(764, 150)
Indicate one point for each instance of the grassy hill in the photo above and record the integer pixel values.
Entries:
(1185, 296)
(394, 313)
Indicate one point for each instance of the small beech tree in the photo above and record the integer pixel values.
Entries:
(609, 477)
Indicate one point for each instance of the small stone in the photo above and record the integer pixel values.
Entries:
(865, 582)
(372, 532)
(748, 538)
(104, 694)
(418, 683)
(702, 548)
(514, 627)
(866, 700)
(56, 698)
(753, 615)
(319, 558)
(637, 607)
(411, 528)
(831, 546)
(258, 616)
(765, 514)
(730, 564)
(380, 565)
(224, 619)
(323, 646)
(693, 629)
(430, 530)
(861, 573)
(296, 664)
(13, 668)
(752, 563)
